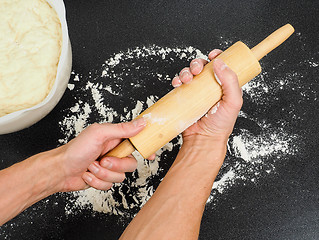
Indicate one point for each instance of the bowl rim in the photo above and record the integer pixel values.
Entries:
(59, 7)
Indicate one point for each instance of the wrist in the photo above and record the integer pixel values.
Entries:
(49, 172)
(28, 182)
(205, 142)
(211, 150)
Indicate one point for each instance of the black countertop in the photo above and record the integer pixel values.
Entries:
(268, 186)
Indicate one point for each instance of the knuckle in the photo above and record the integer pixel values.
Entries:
(237, 104)
(105, 175)
(230, 79)
(94, 131)
(122, 127)
(232, 76)
(94, 127)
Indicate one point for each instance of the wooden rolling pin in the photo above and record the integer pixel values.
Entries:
(184, 105)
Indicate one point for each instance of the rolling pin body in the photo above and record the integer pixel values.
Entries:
(184, 105)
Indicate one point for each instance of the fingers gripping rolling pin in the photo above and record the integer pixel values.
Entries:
(184, 105)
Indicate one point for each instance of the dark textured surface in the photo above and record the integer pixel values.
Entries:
(282, 206)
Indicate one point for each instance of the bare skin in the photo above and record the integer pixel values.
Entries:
(81, 164)
(176, 208)
(77, 165)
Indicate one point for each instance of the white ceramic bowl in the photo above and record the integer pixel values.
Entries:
(25, 118)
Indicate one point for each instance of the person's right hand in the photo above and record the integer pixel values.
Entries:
(82, 162)
(220, 119)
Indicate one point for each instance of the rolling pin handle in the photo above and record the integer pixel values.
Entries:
(272, 41)
(122, 150)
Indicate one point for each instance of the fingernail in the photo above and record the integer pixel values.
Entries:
(106, 164)
(179, 83)
(184, 73)
(140, 122)
(94, 168)
(214, 53)
(87, 178)
(217, 79)
(195, 64)
(222, 66)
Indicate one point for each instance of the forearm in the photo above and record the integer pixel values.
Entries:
(175, 210)
(27, 182)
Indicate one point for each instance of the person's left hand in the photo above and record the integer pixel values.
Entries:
(83, 162)
(219, 121)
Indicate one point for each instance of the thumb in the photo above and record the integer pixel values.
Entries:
(124, 130)
(232, 94)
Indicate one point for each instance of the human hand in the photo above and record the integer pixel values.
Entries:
(83, 162)
(219, 121)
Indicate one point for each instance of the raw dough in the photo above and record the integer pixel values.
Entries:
(30, 47)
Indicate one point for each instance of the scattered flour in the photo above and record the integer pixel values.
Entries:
(250, 155)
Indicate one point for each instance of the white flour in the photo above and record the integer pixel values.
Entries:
(250, 155)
